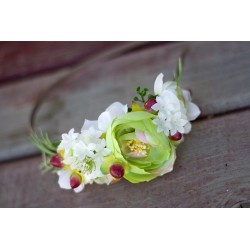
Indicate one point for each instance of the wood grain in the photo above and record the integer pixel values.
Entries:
(218, 74)
(212, 170)
(22, 59)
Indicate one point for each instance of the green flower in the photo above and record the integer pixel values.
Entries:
(136, 145)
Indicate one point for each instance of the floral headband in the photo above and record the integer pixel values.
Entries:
(137, 143)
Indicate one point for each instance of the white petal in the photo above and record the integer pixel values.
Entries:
(187, 128)
(158, 84)
(156, 107)
(104, 121)
(64, 179)
(193, 111)
(105, 179)
(79, 188)
(117, 109)
(186, 95)
(170, 86)
(88, 124)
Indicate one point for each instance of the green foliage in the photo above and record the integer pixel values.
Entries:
(177, 77)
(47, 148)
(44, 144)
(141, 93)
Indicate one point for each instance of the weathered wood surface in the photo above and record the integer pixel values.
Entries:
(218, 73)
(20, 59)
(212, 170)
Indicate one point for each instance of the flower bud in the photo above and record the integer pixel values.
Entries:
(117, 171)
(149, 103)
(75, 180)
(176, 137)
(56, 161)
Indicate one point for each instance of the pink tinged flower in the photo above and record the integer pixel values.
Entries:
(141, 136)
(56, 161)
(117, 171)
(141, 154)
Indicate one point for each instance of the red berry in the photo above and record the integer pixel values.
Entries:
(149, 103)
(117, 171)
(75, 180)
(56, 161)
(176, 137)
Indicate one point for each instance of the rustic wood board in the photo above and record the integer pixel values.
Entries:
(21, 59)
(212, 170)
(218, 73)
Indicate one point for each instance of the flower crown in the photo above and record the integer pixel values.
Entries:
(136, 143)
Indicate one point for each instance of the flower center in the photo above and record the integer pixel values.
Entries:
(137, 147)
(87, 165)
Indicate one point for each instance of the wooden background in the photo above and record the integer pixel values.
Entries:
(213, 164)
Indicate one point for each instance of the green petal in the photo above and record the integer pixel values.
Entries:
(137, 175)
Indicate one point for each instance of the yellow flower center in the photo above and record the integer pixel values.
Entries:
(137, 147)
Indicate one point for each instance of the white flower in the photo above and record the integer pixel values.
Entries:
(82, 150)
(172, 122)
(68, 140)
(167, 101)
(174, 115)
(86, 156)
(160, 87)
(115, 110)
(64, 181)
(90, 135)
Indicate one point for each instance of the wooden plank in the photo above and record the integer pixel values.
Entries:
(21, 59)
(214, 71)
(212, 170)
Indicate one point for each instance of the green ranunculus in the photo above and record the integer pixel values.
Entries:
(136, 145)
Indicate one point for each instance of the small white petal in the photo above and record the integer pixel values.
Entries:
(88, 124)
(156, 107)
(158, 84)
(105, 179)
(117, 109)
(187, 95)
(187, 128)
(79, 188)
(104, 120)
(64, 179)
(193, 111)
